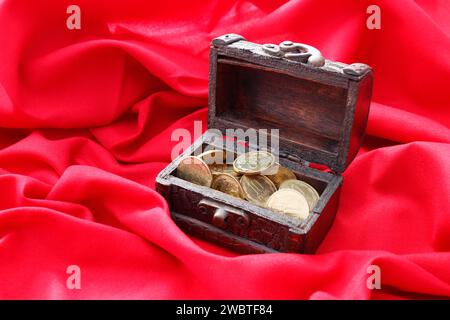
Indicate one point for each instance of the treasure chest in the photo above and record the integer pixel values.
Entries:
(320, 109)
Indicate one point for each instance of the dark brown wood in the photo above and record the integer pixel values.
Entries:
(261, 226)
(321, 113)
(314, 107)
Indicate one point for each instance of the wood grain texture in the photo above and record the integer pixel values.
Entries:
(321, 113)
(314, 107)
(263, 227)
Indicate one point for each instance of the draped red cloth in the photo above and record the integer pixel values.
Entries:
(86, 119)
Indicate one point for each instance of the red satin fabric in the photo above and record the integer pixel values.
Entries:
(86, 118)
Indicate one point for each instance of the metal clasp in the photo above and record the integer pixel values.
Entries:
(219, 218)
(295, 51)
(224, 217)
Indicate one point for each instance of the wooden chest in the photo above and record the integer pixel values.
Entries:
(320, 108)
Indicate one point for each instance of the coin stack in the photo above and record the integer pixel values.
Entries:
(253, 176)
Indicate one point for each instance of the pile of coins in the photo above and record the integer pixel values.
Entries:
(254, 176)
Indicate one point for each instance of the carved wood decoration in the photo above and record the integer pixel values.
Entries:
(321, 109)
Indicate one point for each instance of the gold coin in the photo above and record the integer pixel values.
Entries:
(257, 189)
(223, 168)
(289, 202)
(281, 174)
(194, 170)
(213, 157)
(254, 162)
(217, 162)
(305, 189)
(228, 184)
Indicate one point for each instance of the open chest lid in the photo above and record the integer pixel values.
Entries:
(319, 106)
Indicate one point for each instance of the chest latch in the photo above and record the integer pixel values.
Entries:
(295, 51)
